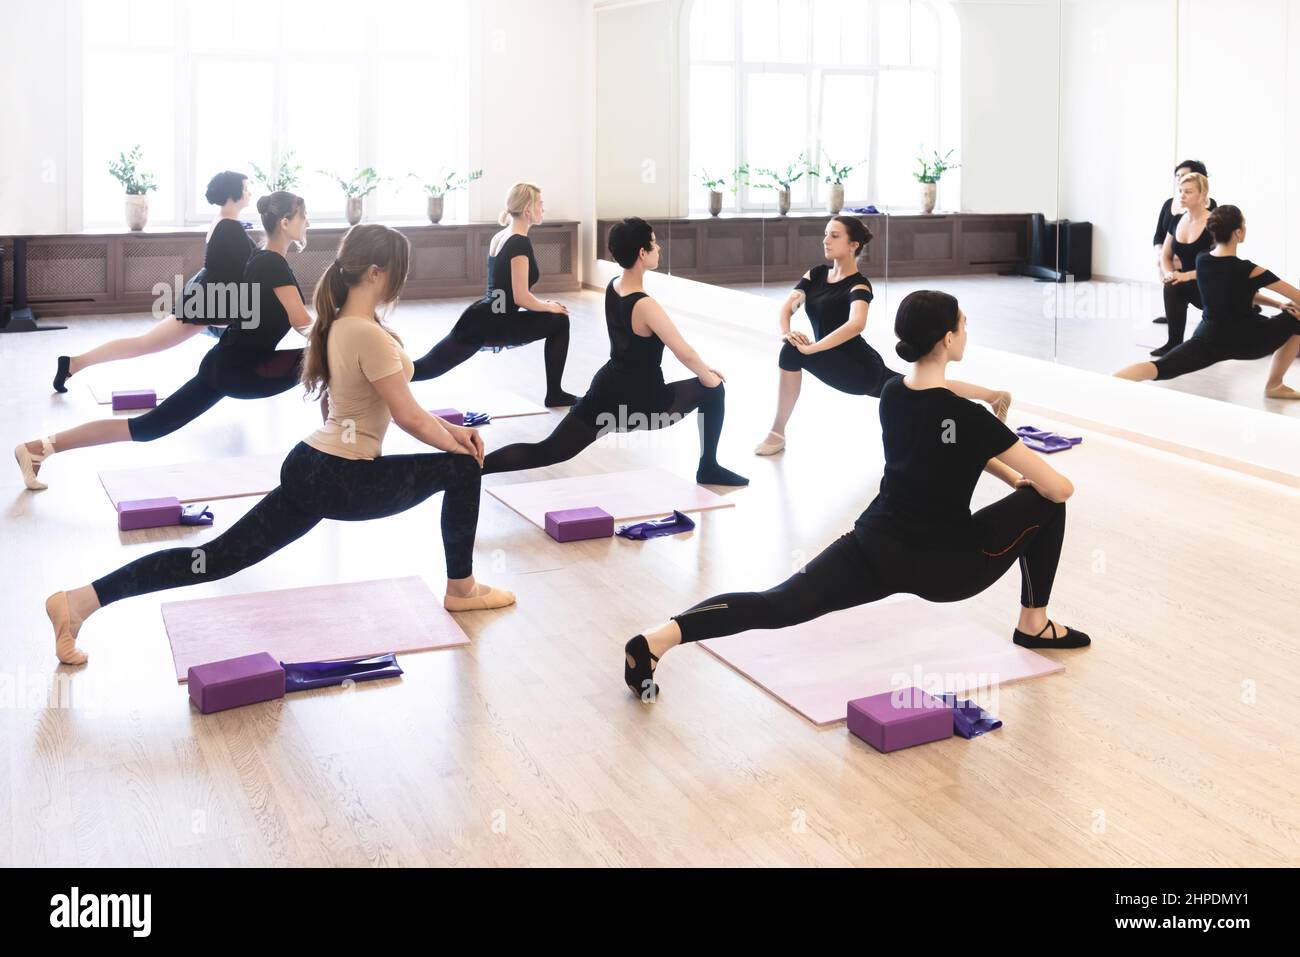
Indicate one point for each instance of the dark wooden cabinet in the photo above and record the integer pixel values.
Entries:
(110, 272)
(759, 248)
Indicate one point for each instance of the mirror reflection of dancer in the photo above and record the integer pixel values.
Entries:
(1230, 327)
(628, 393)
(837, 296)
(1168, 210)
(918, 536)
(1186, 239)
(224, 257)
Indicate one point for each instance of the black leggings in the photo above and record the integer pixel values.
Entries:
(865, 565)
(576, 431)
(1253, 337)
(315, 485)
(1178, 296)
(223, 373)
(479, 326)
(853, 367)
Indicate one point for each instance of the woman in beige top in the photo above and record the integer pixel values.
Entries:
(338, 472)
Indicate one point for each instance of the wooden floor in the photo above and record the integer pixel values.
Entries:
(1172, 741)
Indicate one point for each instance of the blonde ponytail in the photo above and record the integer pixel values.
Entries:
(520, 198)
(363, 246)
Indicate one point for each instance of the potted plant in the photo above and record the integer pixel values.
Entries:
(286, 174)
(928, 176)
(714, 186)
(782, 180)
(126, 170)
(356, 188)
(438, 188)
(834, 178)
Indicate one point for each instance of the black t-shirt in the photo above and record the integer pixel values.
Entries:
(827, 303)
(227, 252)
(936, 446)
(1228, 290)
(1166, 219)
(499, 275)
(267, 270)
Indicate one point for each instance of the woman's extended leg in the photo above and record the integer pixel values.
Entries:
(570, 437)
(164, 335)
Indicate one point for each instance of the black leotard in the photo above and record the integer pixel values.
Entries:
(224, 258)
(1166, 217)
(633, 377)
(1187, 252)
(853, 366)
(500, 276)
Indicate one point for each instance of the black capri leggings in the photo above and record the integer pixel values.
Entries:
(576, 430)
(223, 373)
(479, 326)
(1248, 338)
(315, 485)
(865, 565)
(852, 367)
(1178, 296)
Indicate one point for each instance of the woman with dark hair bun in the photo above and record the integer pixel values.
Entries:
(918, 536)
(836, 296)
(1230, 327)
(228, 248)
(628, 393)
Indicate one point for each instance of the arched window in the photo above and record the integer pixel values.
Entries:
(868, 83)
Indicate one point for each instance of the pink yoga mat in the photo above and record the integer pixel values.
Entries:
(322, 623)
(208, 481)
(818, 667)
(624, 495)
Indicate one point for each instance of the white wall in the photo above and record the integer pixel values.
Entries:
(529, 87)
(1148, 83)
(40, 189)
(639, 115)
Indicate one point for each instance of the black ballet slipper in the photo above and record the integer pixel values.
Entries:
(1165, 349)
(62, 375)
(716, 475)
(1070, 639)
(561, 401)
(1160, 321)
(639, 675)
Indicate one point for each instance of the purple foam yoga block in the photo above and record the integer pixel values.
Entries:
(454, 416)
(137, 399)
(220, 685)
(148, 513)
(579, 524)
(900, 719)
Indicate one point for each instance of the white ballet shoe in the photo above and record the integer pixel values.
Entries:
(768, 447)
(28, 463)
(1282, 392)
(484, 597)
(65, 630)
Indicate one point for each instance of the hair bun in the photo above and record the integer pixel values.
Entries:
(263, 204)
(906, 351)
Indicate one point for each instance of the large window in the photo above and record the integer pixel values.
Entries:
(225, 84)
(863, 82)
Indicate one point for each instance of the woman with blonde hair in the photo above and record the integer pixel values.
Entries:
(337, 472)
(1186, 239)
(509, 314)
(244, 364)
